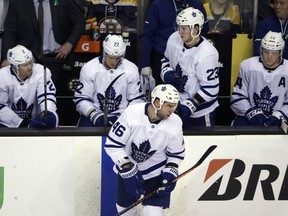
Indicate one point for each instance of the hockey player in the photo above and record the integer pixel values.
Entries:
(22, 93)
(146, 145)
(260, 94)
(108, 74)
(191, 66)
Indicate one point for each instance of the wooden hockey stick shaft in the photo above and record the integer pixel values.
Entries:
(45, 91)
(199, 162)
(106, 98)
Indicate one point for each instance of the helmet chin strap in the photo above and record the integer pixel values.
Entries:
(156, 109)
(193, 37)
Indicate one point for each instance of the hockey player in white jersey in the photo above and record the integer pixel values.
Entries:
(146, 144)
(109, 74)
(22, 95)
(260, 94)
(191, 66)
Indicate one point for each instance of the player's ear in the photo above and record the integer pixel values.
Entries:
(157, 103)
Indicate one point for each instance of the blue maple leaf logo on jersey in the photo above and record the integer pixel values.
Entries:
(265, 101)
(142, 153)
(113, 101)
(22, 110)
(183, 79)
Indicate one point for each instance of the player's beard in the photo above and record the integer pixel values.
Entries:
(160, 115)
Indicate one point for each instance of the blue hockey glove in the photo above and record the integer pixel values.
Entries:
(170, 76)
(97, 118)
(275, 119)
(132, 178)
(186, 108)
(168, 174)
(255, 116)
(50, 120)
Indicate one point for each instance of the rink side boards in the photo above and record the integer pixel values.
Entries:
(72, 176)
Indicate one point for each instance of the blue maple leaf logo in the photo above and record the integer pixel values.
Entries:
(265, 100)
(183, 79)
(142, 153)
(22, 110)
(113, 101)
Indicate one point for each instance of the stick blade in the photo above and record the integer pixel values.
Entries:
(206, 154)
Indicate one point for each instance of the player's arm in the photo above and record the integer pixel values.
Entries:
(134, 89)
(83, 95)
(207, 73)
(175, 152)
(7, 116)
(240, 97)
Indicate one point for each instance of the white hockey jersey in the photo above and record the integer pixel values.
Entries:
(199, 67)
(93, 83)
(148, 145)
(258, 86)
(24, 99)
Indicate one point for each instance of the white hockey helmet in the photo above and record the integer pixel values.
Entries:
(165, 93)
(191, 17)
(19, 55)
(273, 41)
(114, 45)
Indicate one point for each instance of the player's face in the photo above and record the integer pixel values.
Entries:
(111, 61)
(185, 33)
(25, 70)
(271, 57)
(281, 9)
(166, 110)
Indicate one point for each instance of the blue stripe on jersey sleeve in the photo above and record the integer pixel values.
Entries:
(114, 144)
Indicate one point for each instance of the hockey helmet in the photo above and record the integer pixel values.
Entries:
(191, 17)
(165, 93)
(19, 55)
(114, 45)
(273, 41)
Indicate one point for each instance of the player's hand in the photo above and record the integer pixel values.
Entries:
(274, 119)
(170, 76)
(132, 178)
(97, 118)
(146, 72)
(255, 116)
(50, 120)
(5, 63)
(168, 174)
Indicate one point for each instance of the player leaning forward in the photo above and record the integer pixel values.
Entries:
(22, 92)
(146, 144)
(260, 94)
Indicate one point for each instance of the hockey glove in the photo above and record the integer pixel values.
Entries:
(168, 174)
(97, 118)
(275, 119)
(50, 120)
(170, 76)
(132, 178)
(255, 116)
(186, 108)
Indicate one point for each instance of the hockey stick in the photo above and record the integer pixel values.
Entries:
(45, 91)
(107, 91)
(199, 162)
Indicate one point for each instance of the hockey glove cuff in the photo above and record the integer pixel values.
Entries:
(132, 179)
(97, 118)
(255, 116)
